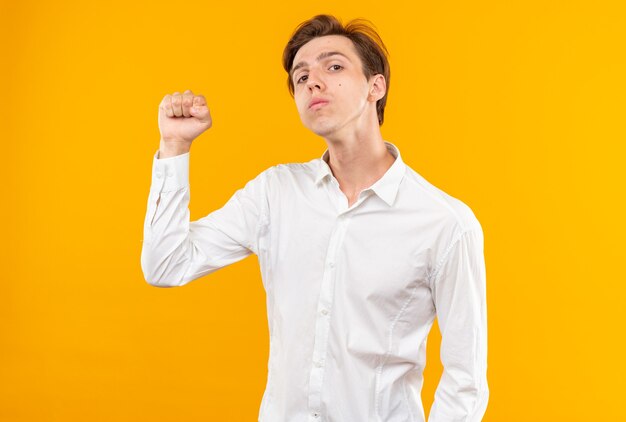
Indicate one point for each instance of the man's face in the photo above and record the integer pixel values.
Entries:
(329, 69)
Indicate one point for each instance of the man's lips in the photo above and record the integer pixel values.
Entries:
(317, 102)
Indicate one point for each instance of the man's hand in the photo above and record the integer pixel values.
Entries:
(182, 118)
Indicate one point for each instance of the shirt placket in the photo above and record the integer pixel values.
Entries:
(324, 308)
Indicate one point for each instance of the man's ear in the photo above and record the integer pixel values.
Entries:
(378, 87)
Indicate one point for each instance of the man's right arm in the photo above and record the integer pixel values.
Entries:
(176, 250)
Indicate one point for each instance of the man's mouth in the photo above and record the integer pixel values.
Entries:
(317, 103)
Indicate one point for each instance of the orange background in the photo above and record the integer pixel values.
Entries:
(516, 108)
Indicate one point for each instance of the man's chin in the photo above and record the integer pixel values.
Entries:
(321, 128)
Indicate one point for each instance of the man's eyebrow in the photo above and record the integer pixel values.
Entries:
(320, 57)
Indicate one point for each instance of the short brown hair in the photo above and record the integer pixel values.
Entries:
(367, 42)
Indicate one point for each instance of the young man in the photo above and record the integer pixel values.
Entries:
(358, 252)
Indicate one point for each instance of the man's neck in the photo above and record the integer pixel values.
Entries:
(357, 162)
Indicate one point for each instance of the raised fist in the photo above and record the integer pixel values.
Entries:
(183, 117)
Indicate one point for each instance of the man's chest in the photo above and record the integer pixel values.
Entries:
(372, 255)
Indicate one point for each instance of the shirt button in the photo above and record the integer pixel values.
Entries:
(315, 415)
(324, 311)
(159, 175)
(331, 265)
(318, 364)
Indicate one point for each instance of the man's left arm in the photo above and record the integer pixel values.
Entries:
(459, 293)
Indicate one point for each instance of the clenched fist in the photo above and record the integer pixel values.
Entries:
(182, 118)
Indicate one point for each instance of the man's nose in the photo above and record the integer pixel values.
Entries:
(313, 81)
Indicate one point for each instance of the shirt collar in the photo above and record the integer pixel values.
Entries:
(386, 187)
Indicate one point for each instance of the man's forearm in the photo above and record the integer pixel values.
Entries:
(172, 149)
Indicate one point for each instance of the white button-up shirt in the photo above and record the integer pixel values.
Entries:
(352, 291)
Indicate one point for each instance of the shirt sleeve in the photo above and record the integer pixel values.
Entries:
(459, 290)
(176, 250)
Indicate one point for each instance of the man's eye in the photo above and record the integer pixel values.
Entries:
(303, 76)
(338, 65)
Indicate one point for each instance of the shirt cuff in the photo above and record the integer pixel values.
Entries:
(170, 174)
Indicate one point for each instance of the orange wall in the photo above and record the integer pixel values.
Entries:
(517, 108)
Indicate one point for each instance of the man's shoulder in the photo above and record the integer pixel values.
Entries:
(283, 171)
(440, 202)
(298, 167)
